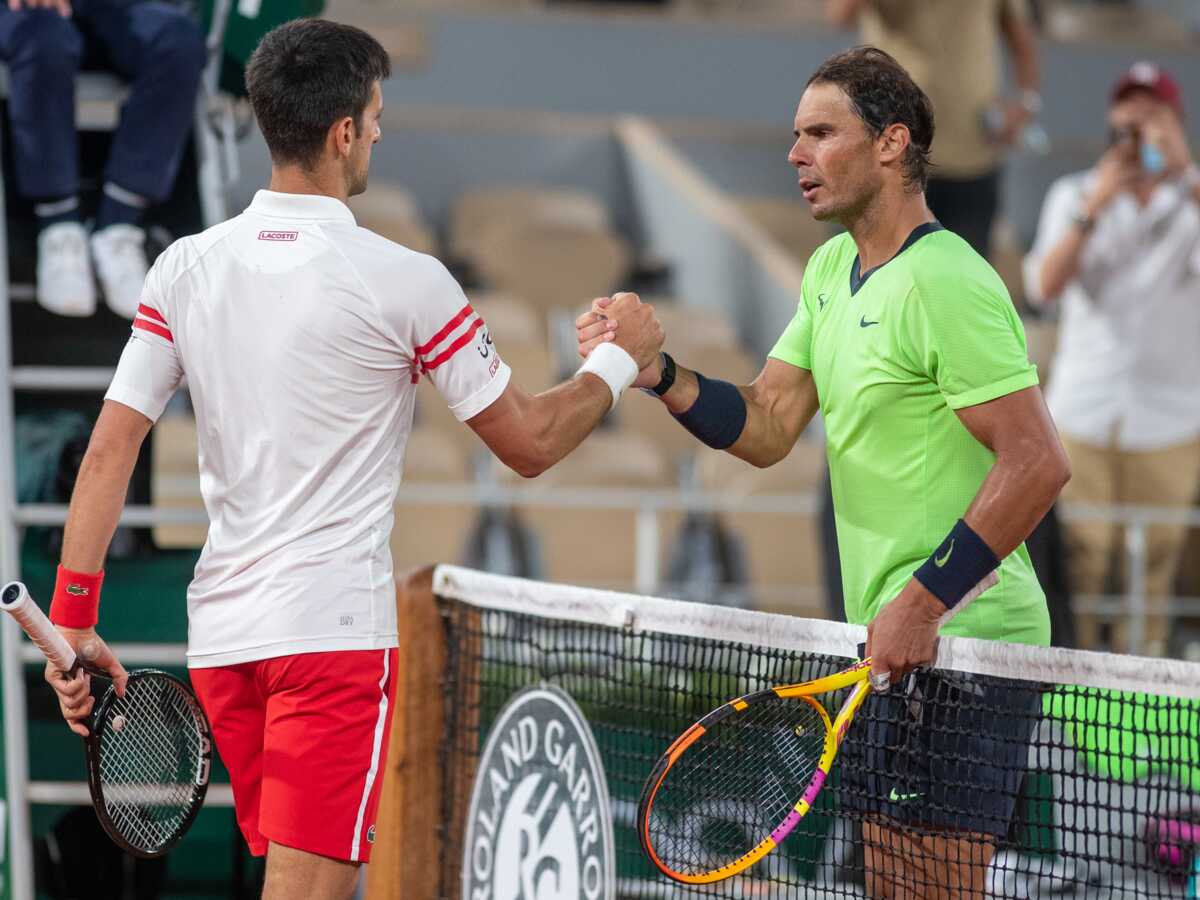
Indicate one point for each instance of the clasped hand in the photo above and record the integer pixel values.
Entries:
(624, 320)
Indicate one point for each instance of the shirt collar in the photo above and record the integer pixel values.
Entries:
(300, 206)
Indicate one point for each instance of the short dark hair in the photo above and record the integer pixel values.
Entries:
(304, 76)
(882, 93)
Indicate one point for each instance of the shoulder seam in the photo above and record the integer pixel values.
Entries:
(385, 324)
(199, 256)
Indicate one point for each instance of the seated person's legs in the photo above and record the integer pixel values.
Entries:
(42, 51)
(160, 49)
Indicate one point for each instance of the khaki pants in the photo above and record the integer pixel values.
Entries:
(1150, 478)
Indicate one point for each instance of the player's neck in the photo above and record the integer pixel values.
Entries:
(882, 227)
(295, 180)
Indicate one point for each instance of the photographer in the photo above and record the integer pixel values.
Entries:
(1118, 247)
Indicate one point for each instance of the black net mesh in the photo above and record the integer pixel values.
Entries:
(151, 756)
(952, 785)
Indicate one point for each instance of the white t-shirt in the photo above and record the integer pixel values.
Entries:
(302, 337)
(1127, 367)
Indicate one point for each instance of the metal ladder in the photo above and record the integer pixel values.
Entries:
(95, 94)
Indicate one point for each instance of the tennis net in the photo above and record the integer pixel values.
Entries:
(1083, 768)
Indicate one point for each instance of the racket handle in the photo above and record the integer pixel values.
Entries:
(15, 601)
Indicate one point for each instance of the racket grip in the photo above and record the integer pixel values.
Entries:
(15, 601)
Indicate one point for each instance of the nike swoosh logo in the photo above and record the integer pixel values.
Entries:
(940, 561)
(864, 323)
(900, 798)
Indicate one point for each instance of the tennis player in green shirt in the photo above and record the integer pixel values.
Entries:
(942, 455)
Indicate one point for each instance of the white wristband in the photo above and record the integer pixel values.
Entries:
(614, 366)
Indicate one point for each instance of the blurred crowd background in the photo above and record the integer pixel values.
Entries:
(555, 151)
(551, 152)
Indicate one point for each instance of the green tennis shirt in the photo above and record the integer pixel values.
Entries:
(894, 352)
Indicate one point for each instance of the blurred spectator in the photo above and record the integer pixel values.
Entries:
(1118, 247)
(951, 49)
(160, 51)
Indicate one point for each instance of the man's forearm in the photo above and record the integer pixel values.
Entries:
(772, 420)
(531, 433)
(101, 486)
(1016, 495)
(96, 505)
(1061, 264)
(568, 413)
(1022, 44)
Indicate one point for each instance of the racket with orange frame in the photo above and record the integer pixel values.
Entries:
(737, 782)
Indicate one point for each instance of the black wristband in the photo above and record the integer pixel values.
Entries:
(718, 415)
(957, 566)
(668, 376)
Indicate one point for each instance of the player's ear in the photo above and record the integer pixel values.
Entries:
(893, 143)
(343, 133)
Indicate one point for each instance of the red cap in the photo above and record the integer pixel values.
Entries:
(1148, 76)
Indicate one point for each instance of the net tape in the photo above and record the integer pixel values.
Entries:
(150, 760)
(1094, 759)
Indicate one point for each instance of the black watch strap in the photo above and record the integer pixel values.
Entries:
(668, 376)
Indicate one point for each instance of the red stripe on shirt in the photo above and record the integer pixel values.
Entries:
(151, 312)
(446, 329)
(462, 341)
(153, 328)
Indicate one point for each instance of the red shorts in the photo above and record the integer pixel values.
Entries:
(305, 740)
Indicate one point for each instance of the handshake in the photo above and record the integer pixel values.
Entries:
(626, 322)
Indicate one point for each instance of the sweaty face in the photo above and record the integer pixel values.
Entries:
(369, 135)
(834, 154)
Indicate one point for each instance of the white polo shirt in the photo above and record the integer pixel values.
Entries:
(302, 337)
(1127, 369)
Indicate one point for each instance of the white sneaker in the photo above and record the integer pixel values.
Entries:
(121, 265)
(64, 271)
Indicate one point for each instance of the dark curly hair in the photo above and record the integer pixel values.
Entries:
(882, 93)
(303, 77)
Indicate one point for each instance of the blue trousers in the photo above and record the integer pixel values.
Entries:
(156, 47)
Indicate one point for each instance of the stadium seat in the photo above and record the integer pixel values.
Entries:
(391, 211)
(597, 546)
(424, 532)
(788, 222)
(645, 415)
(477, 211)
(729, 364)
(783, 548)
(510, 319)
(694, 327)
(175, 479)
(552, 264)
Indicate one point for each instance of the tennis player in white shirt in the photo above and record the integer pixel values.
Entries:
(1118, 248)
(303, 337)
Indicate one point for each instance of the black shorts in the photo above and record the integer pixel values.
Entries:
(941, 751)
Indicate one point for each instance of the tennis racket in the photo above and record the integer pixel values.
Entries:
(724, 794)
(705, 814)
(148, 753)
